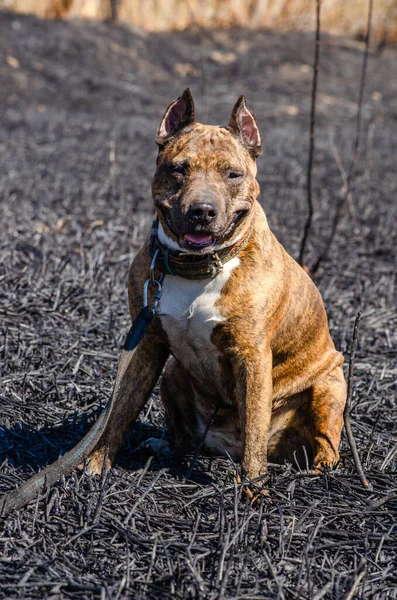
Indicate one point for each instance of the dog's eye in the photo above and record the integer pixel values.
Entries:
(178, 169)
(234, 175)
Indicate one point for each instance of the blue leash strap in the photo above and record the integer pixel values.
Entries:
(145, 316)
(138, 328)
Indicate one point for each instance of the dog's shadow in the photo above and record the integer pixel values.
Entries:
(25, 450)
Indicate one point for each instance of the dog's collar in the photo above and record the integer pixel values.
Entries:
(192, 266)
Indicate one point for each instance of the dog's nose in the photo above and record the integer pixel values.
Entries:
(203, 211)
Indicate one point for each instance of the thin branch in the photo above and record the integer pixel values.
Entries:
(357, 147)
(360, 574)
(203, 33)
(346, 413)
(316, 63)
(341, 170)
(114, 10)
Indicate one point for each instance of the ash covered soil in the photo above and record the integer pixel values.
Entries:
(80, 104)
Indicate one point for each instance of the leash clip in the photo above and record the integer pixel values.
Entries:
(155, 282)
(157, 295)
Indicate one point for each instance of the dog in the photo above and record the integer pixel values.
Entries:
(240, 330)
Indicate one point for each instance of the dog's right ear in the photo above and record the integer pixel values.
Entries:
(242, 124)
(178, 115)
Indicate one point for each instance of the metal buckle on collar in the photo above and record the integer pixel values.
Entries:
(217, 264)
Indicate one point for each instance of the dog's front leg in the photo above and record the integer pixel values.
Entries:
(137, 384)
(254, 389)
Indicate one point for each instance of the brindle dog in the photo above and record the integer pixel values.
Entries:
(252, 340)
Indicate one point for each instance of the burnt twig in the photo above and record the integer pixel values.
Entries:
(316, 63)
(360, 574)
(203, 34)
(357, 148)
(346, 412)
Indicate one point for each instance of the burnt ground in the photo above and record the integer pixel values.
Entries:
(80, 104)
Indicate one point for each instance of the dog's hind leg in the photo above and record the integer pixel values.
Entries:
(313, 419)
(328, 399)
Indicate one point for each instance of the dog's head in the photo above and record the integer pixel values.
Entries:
(204, 188)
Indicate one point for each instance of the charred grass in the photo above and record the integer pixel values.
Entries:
(80, 104)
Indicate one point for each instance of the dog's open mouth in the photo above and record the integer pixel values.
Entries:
(196, 241)
(203, 242)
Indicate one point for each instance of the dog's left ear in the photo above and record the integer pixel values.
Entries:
(178, 115)
(242, 124)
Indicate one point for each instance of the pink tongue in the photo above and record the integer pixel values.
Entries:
(198, 239)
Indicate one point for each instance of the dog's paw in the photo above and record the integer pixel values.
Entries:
(96, 463)
(253, 492)
(324, 464)
(155, 447)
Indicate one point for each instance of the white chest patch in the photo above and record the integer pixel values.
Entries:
(189, 314)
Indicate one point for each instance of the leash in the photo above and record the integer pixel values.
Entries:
(23, 494)
(188, 266)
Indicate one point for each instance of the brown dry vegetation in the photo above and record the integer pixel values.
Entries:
(338, 16)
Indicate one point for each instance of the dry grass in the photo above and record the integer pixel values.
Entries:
(338, 16)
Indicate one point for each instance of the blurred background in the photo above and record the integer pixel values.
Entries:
(338, 16)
